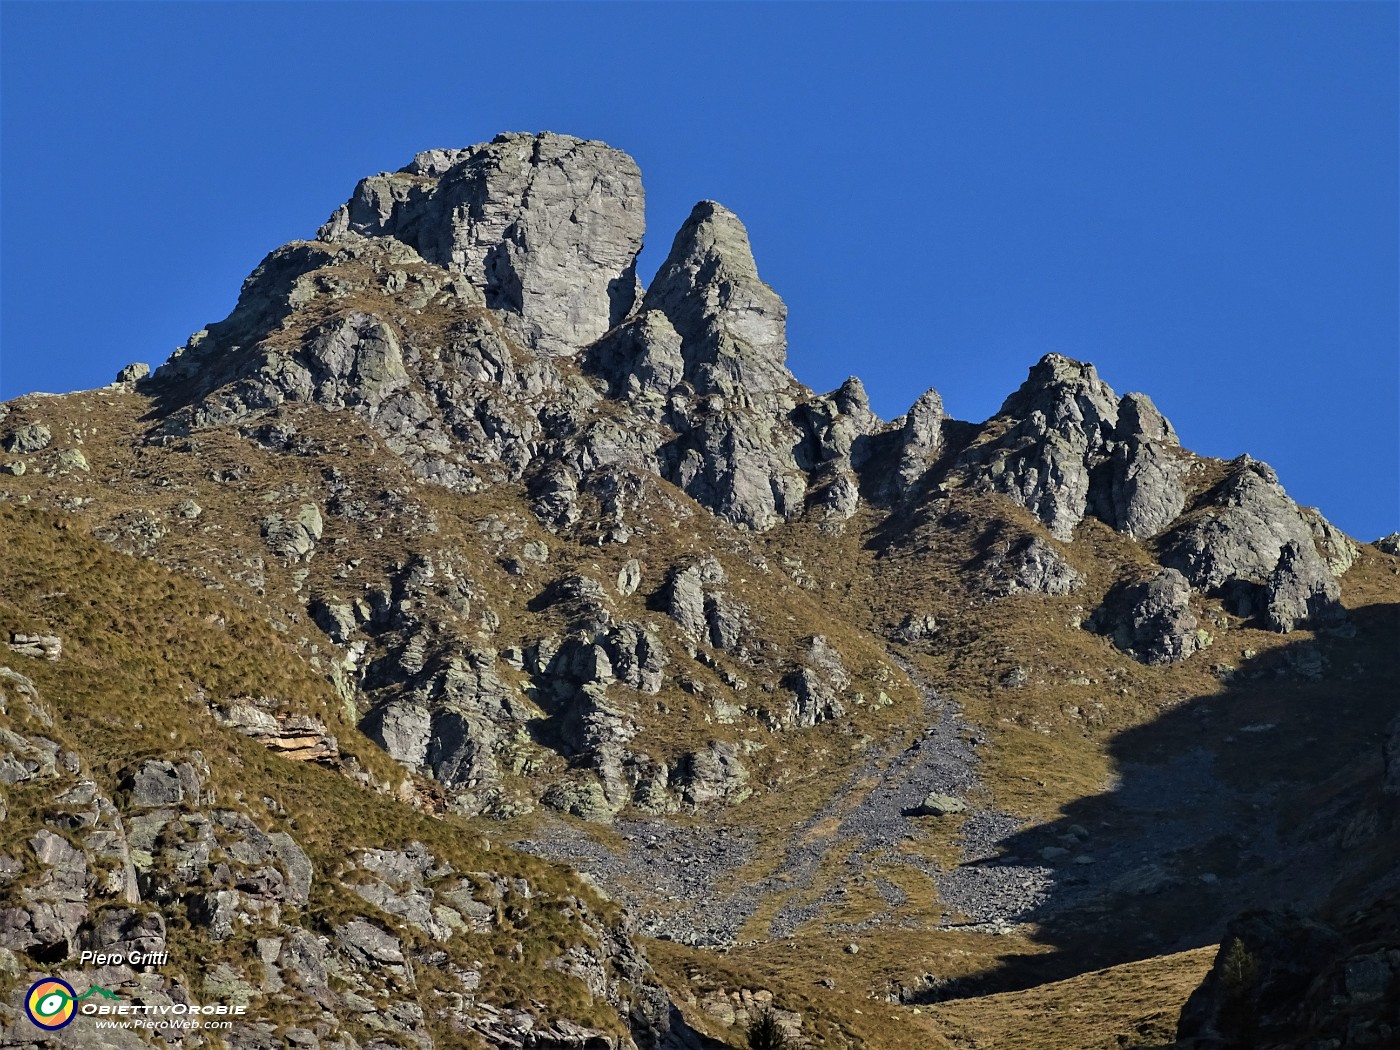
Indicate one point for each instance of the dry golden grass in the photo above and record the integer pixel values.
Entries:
(1134, 1005)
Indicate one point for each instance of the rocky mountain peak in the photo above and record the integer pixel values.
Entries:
(546, 226)
(1069, 394)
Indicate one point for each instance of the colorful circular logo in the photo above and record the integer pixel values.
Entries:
(50, 1003)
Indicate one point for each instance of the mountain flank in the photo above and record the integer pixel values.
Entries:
(461, 644)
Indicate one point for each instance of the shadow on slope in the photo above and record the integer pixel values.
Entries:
(1265, 795)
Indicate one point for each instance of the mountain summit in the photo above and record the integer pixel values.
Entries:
(461, 644)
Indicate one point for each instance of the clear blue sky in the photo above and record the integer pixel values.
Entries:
(1199, 198)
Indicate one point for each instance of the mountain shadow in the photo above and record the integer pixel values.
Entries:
(1265, 795)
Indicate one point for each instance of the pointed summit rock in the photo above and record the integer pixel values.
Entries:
(1071, 397)
(733, 327)
(706, 355)
(1058, 425)
(548, 227)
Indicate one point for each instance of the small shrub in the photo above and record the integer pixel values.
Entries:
(765, 1033)
(1239, 974)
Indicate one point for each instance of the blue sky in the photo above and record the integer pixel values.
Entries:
(1199, 198)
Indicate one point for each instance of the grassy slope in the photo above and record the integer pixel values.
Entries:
(141, 642)
(1052, 743)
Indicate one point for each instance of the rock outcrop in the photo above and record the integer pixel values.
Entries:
(1065, 445)
(733, 452)
(917, 440)
(1028, 564)
(1249, 544)
(103, 870)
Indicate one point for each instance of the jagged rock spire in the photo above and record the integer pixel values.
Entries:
(733, 327)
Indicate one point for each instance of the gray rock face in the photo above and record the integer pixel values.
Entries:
(636, 655)
(102, 880)
(335, 617)
(1279, 975)
(734, 452)
(1138, 417)
(641, 361)
(454, 721)
(1250, 544)
(629, 577)
(1338, 549)
(1243, 529)
(394, 883)
(1301, 592)
(1388, 544)
(733, 327)
(132, 374)
(546, 226)
(713, 774)
(353, 359)
(736, 459)
(37, 646)
(1145, 490)
(695, 600)
(1151, 620)
(837, 423)
(817, 686)
(718, 360)
(1065, 444)
(157, 782)
(294, 537)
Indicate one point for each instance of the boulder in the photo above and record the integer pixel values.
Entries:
(629, 577)
(39, 646)
(1028, 564)
(713, 774)
(158, 782)
(937, 804)
(1151, 620)
(132, 374)
(35, 437)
